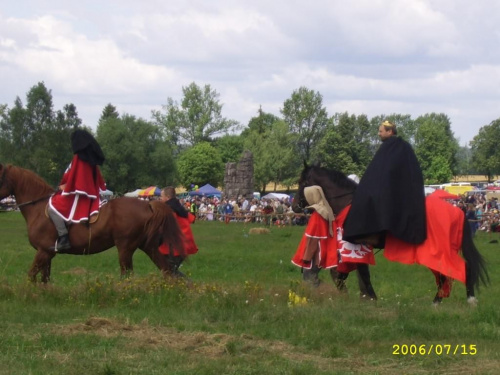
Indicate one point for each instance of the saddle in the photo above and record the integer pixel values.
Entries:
(93, 218)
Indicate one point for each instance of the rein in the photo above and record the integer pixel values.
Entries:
(334, 197)
(342, 195)
(34, 201)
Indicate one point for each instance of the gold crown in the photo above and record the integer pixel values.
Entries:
(388, 123)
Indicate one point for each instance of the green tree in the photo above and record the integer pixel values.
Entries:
(347, 144)
(275, 155)
(464, 161)
(6, 143)
(197, 119)
(436, 148)
(307, 117)
(37, 137)
(260, 123)
(109, 112)
(136, 154)
(485, 148)
(230, 147)
(199, 165)
(281, 146)
(255, 138)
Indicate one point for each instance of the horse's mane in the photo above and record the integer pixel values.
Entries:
(28, 181)
(335, 177)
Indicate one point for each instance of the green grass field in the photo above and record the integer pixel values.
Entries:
(236, 316)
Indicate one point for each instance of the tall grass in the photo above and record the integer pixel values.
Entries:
(235, 316)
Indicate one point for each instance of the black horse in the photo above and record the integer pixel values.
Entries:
(339, 191)
(339, 195)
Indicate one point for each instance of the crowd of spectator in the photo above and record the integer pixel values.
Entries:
(8, 204)
(482, 213)
(266, 211)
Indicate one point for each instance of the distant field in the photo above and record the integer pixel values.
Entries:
(236, 316)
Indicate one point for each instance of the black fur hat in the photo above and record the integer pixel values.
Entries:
(86, 147)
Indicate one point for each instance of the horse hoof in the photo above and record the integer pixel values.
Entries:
(472, 301)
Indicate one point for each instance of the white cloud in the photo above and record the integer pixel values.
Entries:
(363, 56)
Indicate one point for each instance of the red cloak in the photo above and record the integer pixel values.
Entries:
(80, 197)
(190, 247)
(317, 228)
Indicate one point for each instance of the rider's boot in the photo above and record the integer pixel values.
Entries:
(62, 242)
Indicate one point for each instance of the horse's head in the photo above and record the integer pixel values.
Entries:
(5, 190)
(299, 200)
(337, 187)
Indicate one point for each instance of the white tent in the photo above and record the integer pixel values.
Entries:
(107, 193)
(276, 196)
(133, 194)
(428, 190)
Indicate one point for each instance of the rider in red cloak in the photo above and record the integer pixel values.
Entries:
(78, 196)
(184, 219)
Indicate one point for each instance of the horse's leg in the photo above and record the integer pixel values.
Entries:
(168, 264)
(363, 290)
(469, 288)
(125, 254)
(444, 285)
(41, 263)
(311, 275)
(339, 279)
(364, 279)
(438, 298)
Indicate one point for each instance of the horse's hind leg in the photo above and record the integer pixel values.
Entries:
(469, 288)
(42, 263)
(444, 285)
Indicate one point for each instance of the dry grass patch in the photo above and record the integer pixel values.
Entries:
(259, 231)
(213, 346)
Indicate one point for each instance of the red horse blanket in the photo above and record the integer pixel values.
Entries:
(440, 251)
(333, 251)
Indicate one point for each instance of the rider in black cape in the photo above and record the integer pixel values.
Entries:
(390, 196)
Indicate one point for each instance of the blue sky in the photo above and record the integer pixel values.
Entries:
(368, 57)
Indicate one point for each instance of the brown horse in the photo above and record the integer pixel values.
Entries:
(126, 223)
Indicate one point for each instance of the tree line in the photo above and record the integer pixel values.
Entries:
(189, 142)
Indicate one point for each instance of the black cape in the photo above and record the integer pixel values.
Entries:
(177, 207)
(390, 196)
(86, 147)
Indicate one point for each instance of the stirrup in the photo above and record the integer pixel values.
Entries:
(62, 243)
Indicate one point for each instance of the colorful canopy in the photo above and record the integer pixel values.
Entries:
(150, 192)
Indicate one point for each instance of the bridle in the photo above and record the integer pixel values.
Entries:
(302, 200)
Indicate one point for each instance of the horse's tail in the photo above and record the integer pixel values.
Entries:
(475, 263)
(162, 228)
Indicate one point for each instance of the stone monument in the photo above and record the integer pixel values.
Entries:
(238, 178)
